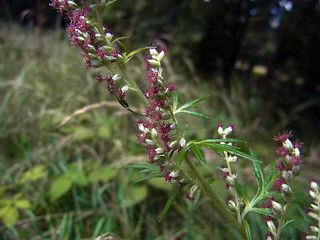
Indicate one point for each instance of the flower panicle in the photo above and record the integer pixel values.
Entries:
(314, 210)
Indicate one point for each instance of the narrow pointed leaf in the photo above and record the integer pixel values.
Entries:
(258, 171)
(230, 149)
(190, 104)
(181, 155)
(175, 100)
(155, 175)
(137, 165)
(193, 113)
(247, 229)
(199, 154)
(173, 196)
(131, 54)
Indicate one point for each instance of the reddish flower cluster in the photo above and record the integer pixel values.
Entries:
(95, 42)
(290, 166)
(155, 130)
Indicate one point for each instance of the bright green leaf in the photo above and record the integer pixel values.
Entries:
(247, 229)
(190, 104)
(155, 175)
(23, 203)
(181, 155)
(103, 174)
(193, 113)
(135, 195)
(159, 183)
(171, 199)
(199, 154)
(104, 132)
(34, 173)
(60, 186)
(11, 215)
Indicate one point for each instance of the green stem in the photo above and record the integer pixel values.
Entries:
(215, 199)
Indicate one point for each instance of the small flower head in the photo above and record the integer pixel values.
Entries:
(283, 137)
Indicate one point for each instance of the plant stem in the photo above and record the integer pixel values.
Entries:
(215, 199)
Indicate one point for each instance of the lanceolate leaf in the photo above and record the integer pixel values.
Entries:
(175, 100)
(230, 149)
(190, 104)
(194, 113)
(155, 175)
(258, 172)
(199, 154)
(131, 54)
(247, 229)
(173, 196)
(181, 155)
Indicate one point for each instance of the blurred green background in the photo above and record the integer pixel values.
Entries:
(257, 59)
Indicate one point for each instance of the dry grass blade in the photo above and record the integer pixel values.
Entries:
(112, 104)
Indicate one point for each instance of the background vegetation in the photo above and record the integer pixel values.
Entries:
(258, 61)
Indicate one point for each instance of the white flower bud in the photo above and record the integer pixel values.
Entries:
(149, 142)
(72, 4)
(232, 204)
(232, 159)
(313, 215)
(174, 174)
(154, 63)
(173, 144)
(296, 152)
(314, 228)
(161, 55)
(159, 151)
(311, 237)
(182, 142)
(228, 130)
(125, 88)
(109, 36)
(193, 190)
(313, 194)
(314, 207)
(153, 52)
(277, 207)
(272, 227)
(220, 131)
(314, 186)
(287, 175)
(288, 145)
(230, 180)
(154, 133)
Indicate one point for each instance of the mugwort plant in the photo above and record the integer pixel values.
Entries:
(170, 154)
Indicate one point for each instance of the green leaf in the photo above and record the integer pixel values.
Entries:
(199, 154)
(135, 195)
(23, 204)
(272, 176)
(190, 104)
(197, 199)
(159, 184)
(211, 180)
(34, 173)
(230, 149)
(175, 100)
(193, 113)
(82, 133)
(124, 104)
(104, 132)
(60, 186)
(242, 191)
(155, 175)
(226, 140)
(262, 211)
(103, 174)
(258, 171)
(173, 196)
(181, 155)
(10, 215)
(131, 54)
(137, 165)
(247, 229)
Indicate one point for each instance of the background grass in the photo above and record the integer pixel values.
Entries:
(65, 183)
